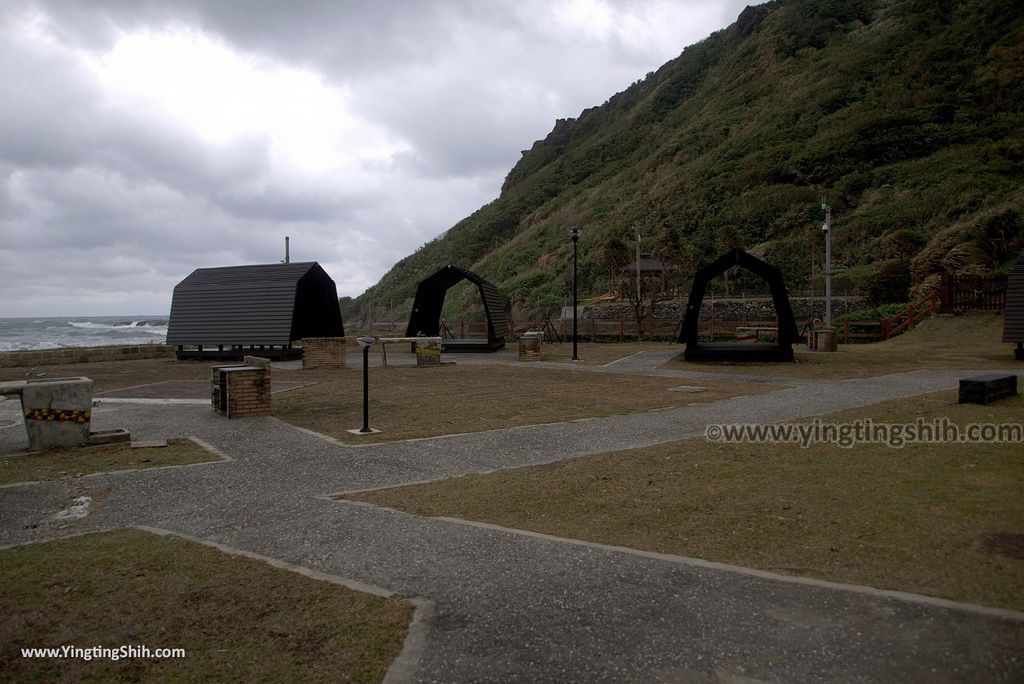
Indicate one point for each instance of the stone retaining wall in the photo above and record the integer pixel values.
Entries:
(730, 309)
(52, 357)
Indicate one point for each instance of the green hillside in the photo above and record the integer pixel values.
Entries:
(907, 114)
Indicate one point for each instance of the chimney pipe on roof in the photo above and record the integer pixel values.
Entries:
(287, 258)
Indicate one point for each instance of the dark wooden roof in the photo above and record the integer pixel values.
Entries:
(1013, 312)
(266, 304)
(646, 264)
(430, 294)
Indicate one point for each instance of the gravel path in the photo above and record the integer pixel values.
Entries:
(520, 607)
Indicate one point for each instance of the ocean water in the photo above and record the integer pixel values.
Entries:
(81, 331)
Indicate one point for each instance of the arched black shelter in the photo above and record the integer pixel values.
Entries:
(1013, 312)
(426, 310)
(780, 350)
(230, 311)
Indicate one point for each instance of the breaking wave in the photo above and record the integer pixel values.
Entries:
(81, 331)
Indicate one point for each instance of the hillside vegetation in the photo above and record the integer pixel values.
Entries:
(908, 115)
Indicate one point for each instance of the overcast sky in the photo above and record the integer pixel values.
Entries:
(141, 140)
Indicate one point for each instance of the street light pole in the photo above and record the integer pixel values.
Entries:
(575, 233)
(365, 343)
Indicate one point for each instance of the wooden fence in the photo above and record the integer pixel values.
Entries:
(605, 329)
(715, 329)
(985, 293)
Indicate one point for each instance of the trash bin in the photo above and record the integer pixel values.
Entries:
(529, 346)
(58, 412)
(826, 340)
(428, 352)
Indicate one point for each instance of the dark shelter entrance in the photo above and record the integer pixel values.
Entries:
(788, 334)
(426, 311)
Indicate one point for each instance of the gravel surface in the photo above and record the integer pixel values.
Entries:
(515, 607)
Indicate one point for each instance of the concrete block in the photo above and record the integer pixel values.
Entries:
(57, 412)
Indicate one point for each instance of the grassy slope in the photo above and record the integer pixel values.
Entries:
(908, 113)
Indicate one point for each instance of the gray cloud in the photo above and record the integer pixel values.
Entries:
(106, 203)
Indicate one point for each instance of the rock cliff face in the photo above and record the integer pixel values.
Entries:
(908, 115)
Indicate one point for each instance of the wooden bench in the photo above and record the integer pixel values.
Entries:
(984, 389)
(752, 332)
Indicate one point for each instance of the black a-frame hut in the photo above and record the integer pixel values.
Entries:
(788, 334)
(1013, 312)
(226, 312)
(426, 311)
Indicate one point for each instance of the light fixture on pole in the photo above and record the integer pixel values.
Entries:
(365, 343)
(827, 229)
(575, 233)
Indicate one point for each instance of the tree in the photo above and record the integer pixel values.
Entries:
(612, 255)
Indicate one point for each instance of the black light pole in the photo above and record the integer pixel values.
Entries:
(365, 343)
(575, 233)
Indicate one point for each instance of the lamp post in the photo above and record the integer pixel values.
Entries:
(827, 229)
(575, 233)
(365, 343)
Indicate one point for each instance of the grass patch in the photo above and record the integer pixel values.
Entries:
(76, 461)
(971, 342)
(424, 402)
(238, 619)
(111, 375)
(600, 354)
(917, 519)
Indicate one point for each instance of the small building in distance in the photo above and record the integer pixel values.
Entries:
(226, 312)
(653, 274)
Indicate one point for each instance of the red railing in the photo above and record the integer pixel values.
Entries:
(868, 331)
(911, 316)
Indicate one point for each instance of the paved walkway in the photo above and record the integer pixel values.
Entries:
(519, 607)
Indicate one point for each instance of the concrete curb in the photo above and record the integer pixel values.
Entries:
(402, 668)
(223, 458)
(1004, 613)
(415, 645)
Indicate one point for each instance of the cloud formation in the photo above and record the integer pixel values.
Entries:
(143, 140)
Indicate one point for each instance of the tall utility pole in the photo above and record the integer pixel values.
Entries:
(639, 292)
(827, 229)
(575, 233)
